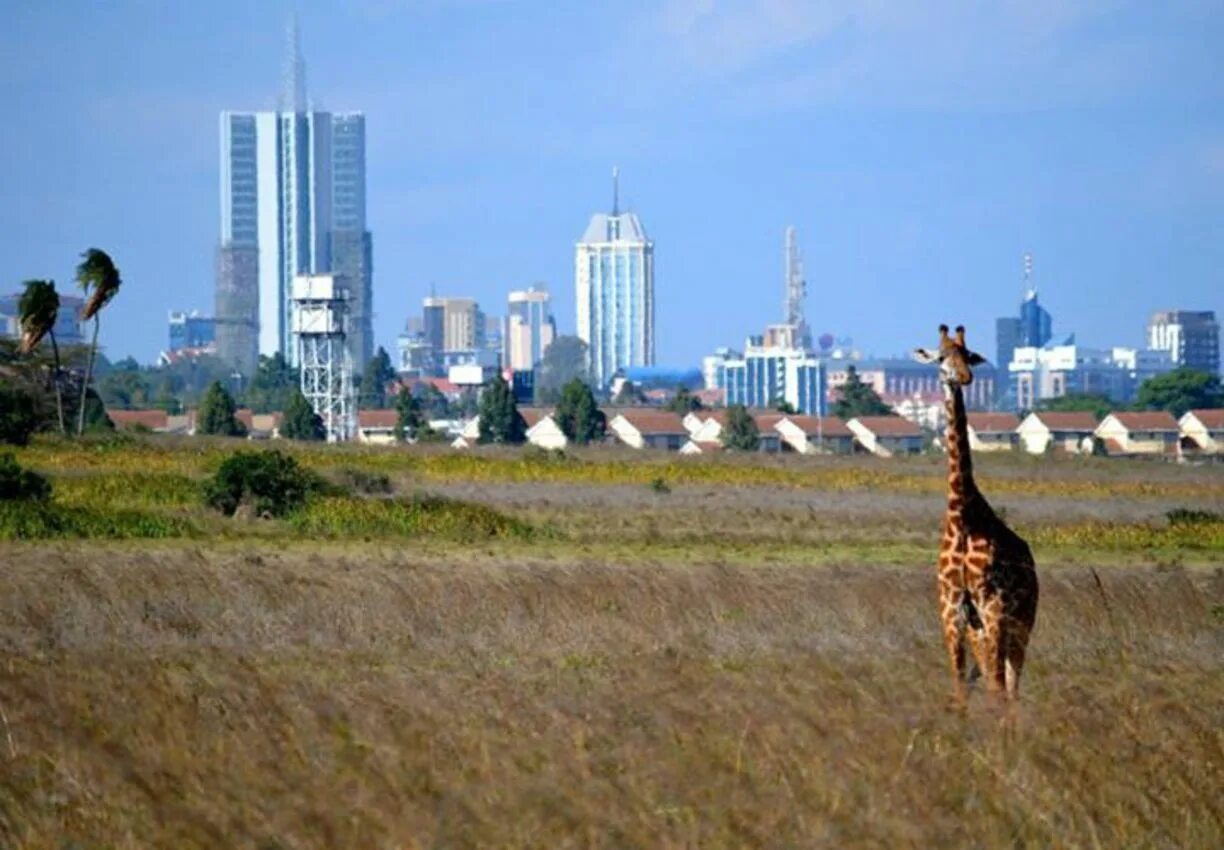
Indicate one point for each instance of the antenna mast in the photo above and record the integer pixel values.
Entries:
(796, 289)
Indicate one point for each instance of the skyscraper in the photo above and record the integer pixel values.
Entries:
(614, 282)
(1032, 328)
(529, 329)
(1191, 336)
(292, 202)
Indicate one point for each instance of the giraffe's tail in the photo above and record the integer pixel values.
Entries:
(970, 617)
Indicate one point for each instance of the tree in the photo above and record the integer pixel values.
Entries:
(378, 374)
(785, 407)
(300, 421)
(578, 416)
(100, 281)
(216, 413)
(1180, 390)
(274, 381)
(563, 361)
(38, 309)
(125, 388)
(500, 420)
(741, 433)
(858, 399)
(435, 403)
(410, 415)
(1094, 403)
(629, 394)
(683, 402)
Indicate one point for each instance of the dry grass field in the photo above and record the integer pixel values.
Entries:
(743, 654)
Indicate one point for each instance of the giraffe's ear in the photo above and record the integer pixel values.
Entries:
(974, 359)
(924, 356)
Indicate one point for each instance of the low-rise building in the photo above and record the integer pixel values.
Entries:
(1069, 432)
(885, 436)
(809, 435)
(139, 420)
(643, 428)
(260, 426)
(543, 430)
(1202, 432)
(1138, 433)
(707, 426)
(992, 432)
(377, 427)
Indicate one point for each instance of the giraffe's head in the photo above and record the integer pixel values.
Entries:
(954, 358)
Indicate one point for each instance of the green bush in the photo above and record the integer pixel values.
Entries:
(18, 416)
(44, 520)
(21, 485)
(1192, 516)
(271, 482)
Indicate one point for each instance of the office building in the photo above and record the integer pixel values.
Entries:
(1192, 338)
(292, 202)
(191, 331)
(529, 329)
(614, 292)
(1052, 371)
(1032, 327)
(766, 375)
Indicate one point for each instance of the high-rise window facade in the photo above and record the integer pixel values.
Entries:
(614, 289)
(529, 329)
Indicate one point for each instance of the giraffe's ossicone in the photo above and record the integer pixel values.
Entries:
(987, 579)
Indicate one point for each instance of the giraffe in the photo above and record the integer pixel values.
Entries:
(987, 578)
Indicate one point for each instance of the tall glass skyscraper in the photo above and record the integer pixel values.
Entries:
(292, 202)
(614, 282)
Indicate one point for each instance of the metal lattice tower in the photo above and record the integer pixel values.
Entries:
(796, 288)
(320, 322)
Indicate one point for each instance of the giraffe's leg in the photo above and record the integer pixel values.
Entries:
(953, 632)
(1015, 645)
(989, 645)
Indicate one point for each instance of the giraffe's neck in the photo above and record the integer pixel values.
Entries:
(961, 489)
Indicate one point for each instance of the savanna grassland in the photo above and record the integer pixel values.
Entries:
(602, 649)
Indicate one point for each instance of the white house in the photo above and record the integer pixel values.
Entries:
(1057, 431)
(814, 435)
(645, 428)
(992, 432)
(544, 431)
(1139, 433)
(885, 436)
(692, 447)
(1202, 431)
(710, 425)
(376, 427)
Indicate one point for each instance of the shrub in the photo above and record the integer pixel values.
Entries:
(18, 416)
(17, 484)
(364, 482)
(271, 482)
(659, 486)
(1192, 516)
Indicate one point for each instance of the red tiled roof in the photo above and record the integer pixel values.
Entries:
(711, 398)
(1147, 420)
(889, 426)
(151, 419)
(767, 421)
(986, 423)
(1081, 420)
(532, 415)
(377, 418)
(830, 426)
(648, 421)
(442, 385)
(1212, 419)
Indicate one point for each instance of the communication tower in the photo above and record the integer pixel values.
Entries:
(796, 290)
(320, 325)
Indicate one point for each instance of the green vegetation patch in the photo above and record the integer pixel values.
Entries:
(419, 515)
(51, 520)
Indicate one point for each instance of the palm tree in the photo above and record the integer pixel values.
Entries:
(38, 309)
(100, 281)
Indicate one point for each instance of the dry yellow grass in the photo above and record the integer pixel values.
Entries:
(373, 696)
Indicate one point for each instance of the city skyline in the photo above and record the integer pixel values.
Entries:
(1112, 179)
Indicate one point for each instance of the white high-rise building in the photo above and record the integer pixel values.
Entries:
(529, 329)
(614, 283)
(292, 202)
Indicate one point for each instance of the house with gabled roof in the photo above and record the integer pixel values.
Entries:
(706, 426)
(1146, 432)
(885, 436)
(377, 427)
(815, 435)
(992, 432)
(642, 428)
(543, 430)
(137, 420)
(1060, 431)
(1202, 432)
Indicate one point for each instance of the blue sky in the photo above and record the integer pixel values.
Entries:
(919, 148)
